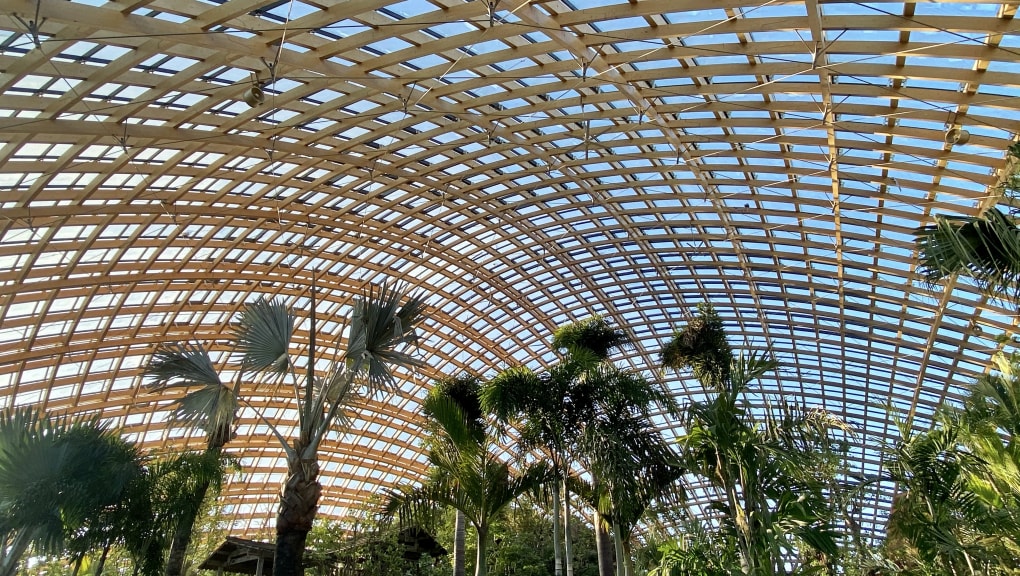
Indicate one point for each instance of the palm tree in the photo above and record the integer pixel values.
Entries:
(379, 326)
(462, 390)
(772, 471)
(958, 511)
(995, 397)
(56, 474)
(209, 405)
(629, 461)
(936, 520)
(985, 248)
(143, 520)
(698, 551)
(466, 475)
(549, 408)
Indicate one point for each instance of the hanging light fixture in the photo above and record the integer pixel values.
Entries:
(254, 96)
(956, 135)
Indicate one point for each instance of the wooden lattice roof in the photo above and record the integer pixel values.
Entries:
(525, 162)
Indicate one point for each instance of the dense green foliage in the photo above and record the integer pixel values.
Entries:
(467, 471)
(985, 248)
(74, 487)
(59, 479)
(772, 470)
(959, 512)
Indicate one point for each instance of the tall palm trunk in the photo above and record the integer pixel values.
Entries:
(568, 548)
(9, 557)
(557, 525)
(102, 561)
(182, 534)
(298, 504)
(618, 541)
(603, 546)
(459, 538)
(481, 568)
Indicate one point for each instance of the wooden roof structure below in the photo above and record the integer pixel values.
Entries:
(240, 556)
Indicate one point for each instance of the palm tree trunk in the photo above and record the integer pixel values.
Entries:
(182, 534)
(557, 525)
(568, 547)
(618, 541)
(9, 561)
(628, 564)
(481, 568)
(102, 560)
(603, 546)
(460, 535)
(297, 511)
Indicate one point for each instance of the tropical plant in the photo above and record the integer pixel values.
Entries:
(462, 390)
(958, 509)
(466, 474)
(549, 408)
(985, 248)
(56, 474)
(630, 463)
(770, 470)
(521, 544)
(369, 547)
(936, 521)
(379, 326)
(697, 551)
(209, 405)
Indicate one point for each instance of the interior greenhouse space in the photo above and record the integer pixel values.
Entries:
(520, 287)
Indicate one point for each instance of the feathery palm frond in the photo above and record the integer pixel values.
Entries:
(262, 336)
(464, 390)
(595, 335)
(701, 347)
(985, 248)
(449, 417)
(746, 368)
(510, 392)
(415, 505)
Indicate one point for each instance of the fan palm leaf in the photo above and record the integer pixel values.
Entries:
(210, 406)
(262, 336)
(380, 324)
(181, 365)
(55, 475)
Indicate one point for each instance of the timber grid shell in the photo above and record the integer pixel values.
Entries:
(523, 162)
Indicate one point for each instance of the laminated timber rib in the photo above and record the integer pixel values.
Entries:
(524, 162)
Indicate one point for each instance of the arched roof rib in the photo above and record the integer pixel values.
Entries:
(568, 157)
